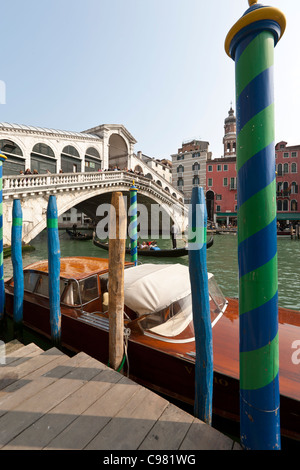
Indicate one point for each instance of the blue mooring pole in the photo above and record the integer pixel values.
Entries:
(201, 307)
(2, 291)
(54, 270)
(16, 257)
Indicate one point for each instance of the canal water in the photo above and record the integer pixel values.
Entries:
(221, 261)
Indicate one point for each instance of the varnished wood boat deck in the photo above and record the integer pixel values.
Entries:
(51, 401)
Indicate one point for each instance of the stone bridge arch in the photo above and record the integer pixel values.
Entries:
(75, 190)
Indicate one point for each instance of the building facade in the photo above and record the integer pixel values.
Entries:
(287, 181)
(189, 167)
(221, 180)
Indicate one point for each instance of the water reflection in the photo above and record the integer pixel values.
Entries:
(221, 260)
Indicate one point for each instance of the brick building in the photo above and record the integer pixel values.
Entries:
(288, 178)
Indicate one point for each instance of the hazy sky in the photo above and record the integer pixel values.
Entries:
(156, 66)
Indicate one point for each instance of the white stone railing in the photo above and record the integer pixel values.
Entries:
(27, 184)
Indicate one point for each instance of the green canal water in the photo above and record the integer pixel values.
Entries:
(221, 261)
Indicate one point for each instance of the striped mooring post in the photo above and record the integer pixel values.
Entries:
(16, 257)
(54, 271)
(201, 307)
(250, 43)
(133, 224)
(2, 291)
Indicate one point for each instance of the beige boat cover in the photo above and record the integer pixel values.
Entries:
(149, 288)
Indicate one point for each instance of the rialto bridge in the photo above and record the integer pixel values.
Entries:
(89, 192)
(77, 168)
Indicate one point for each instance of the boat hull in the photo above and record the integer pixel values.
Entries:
(157, 365)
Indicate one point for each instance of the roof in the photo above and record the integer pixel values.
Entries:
(77, 267)
(149, 288)
(23, 127)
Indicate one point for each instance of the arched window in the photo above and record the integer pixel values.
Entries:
(279, 169)
(279, 205)
(43, 158)
(294, 188)
(196, 181)
(285, 168)
(15, 162)
(149, 176)
(196, 166)
(159, 183)
(70, 160)
(180, 169)
(294, 205)
(294, 168)
(92, 160)
(285, 205)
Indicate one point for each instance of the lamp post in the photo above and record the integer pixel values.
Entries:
(250, 43)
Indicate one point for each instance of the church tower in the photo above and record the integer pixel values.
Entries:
(229, 139)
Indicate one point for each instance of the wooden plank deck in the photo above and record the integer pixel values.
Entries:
(51, 401)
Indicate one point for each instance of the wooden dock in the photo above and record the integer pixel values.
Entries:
(53, 402)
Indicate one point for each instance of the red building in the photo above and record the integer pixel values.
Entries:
(287, 179)
(221, 180)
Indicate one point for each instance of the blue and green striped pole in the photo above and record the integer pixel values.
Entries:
(201, 308)
(133, 224)
(250, 43)
(16, 257)
(54, 271)
(2, 291)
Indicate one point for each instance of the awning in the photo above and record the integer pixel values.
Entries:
(288, 216)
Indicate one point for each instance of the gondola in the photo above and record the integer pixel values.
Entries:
(78, 235)
(174, 253)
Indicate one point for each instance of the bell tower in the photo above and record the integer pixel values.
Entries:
(229, 139)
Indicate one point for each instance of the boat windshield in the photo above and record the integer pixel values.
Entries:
(81, 292)
(177, 318)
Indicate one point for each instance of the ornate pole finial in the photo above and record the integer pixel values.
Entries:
(252, 2)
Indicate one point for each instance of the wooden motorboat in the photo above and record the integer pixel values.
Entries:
(74, 235)
(157, 253)
(158, 328)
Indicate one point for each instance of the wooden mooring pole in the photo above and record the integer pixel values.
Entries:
(54, 271)
(117, 240)
(16, 257)
(250, 43)
(201, 307)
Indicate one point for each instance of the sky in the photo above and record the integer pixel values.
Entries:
(156, 66)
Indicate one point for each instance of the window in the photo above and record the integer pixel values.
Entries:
(225, 181)
(210, 168)
(293, 205)
(285, 154)
(285, 205)
(210, 182)
(196, 166)
(180, 182)
(196, 154)
(279, 205)
(294, 188)
(294, 154)
(180, 169)
(43, 149)
(10, 148)
(285, 168)
(225, 168)
(294, 168)
(219, 168)
(219, 197)
(196, 181)
(232, 183)
(218, 209)
(279, 170)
